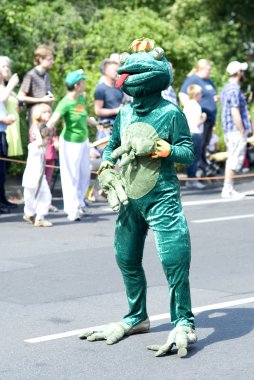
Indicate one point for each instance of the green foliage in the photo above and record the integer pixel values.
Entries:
(83, 33)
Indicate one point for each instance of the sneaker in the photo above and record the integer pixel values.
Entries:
(4, 210)
(91, 198)
(29, 219)
(53, 208)
(74, 218)
(195, 185)
(84, 211)
(43, 223)
(231, 194)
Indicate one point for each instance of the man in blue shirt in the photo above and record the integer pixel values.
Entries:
(108, 99)
(236, 124)
(200, 76)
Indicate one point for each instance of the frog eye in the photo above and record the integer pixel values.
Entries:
(158, 53)
(123, 57)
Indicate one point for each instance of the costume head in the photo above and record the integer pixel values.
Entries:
(145, 71)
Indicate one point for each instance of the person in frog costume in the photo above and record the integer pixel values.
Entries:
(150, 135)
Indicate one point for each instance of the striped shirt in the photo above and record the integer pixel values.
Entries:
(35, 84)
(232, 97)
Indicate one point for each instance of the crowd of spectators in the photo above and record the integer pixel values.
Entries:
(198, 97)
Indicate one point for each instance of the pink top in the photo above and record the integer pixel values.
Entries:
(50, 150)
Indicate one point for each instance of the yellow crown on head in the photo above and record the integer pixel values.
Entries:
(142, 44)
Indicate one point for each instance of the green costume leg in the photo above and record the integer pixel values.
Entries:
(168, 222)
(175, 259)
(130, 234)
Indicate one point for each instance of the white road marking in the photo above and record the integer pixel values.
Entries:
(197, 203)
(158, 317)
(234, 217)
(210, 201)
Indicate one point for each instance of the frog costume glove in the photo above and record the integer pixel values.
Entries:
(111, 183)
(179, 336)
(163, 149)
(114, 332)
(135, 146)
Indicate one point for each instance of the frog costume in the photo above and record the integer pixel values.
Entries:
(150, 135)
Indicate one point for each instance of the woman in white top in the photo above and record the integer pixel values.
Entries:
(195, 118)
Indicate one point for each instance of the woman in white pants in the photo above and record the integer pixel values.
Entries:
(75, 176)
(73, 145)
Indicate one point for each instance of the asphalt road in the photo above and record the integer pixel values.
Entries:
(63, 279)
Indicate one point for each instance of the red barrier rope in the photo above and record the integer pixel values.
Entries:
(180, 179)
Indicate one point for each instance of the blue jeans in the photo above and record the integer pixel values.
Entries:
(197, 140)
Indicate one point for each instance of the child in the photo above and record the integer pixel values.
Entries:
(195, 118)
(37, 194)
(41, 114)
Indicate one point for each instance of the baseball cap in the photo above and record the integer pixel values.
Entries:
(235, 66)
(74, 76)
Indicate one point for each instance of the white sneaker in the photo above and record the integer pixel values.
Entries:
(195, 185)
(236, 195)
(84, 211)
(231, 194)
(42, 223)
(74, 218)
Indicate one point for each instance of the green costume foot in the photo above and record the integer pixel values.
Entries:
(180, 336)
(114, 332)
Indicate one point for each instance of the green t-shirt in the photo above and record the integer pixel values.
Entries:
(74, 115)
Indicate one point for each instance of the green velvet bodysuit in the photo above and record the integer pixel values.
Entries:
(153, 190)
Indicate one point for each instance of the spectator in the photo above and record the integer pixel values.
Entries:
(170, 95)
(36, 86)
(40, 115)
(114, 57)
(37, 194)
(73, 145)
(12, 106)
(236, 124)
(108, 99)
(200, 75)
(196, 119)
(5, 120)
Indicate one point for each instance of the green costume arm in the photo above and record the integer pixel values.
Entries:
(182, 144)
(179, 336)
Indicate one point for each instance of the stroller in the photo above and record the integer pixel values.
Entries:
(213, 165)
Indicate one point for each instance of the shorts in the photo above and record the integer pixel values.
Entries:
(236, 149)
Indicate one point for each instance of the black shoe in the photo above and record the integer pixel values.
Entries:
(8, 204)
(4, 210)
